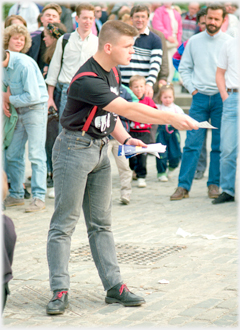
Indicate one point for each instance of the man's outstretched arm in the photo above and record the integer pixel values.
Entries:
(145, 114)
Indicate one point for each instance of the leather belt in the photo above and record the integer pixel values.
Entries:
(232, 90)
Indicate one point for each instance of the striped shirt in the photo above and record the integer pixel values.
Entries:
(147, 59)
(189, 24)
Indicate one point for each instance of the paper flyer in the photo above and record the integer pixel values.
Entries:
(205, 124)
(129, 151)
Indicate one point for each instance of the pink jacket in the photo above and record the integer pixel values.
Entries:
(161, 21)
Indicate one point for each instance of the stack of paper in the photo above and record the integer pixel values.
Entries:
(130, 151)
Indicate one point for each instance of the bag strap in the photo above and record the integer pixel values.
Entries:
(94, 109)
(66, 36)
(116, 74)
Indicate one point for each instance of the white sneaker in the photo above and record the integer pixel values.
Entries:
(51, 193)
(141, 183)
(170, 173)
(125, 200)
(163, 178)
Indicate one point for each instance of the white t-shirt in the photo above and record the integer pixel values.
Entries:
(172, 108)
(229, 60)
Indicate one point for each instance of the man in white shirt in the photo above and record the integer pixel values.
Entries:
(227, 79)
(81, 45)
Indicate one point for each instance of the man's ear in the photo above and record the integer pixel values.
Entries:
(108, 48)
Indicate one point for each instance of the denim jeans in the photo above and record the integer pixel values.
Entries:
(172, 156)
(63, 101)
(229, 144)
(82, 179)
(31, 126)
(203, 108)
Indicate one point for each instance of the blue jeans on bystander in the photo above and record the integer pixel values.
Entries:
(229, 144)
(203, 108)
(31, 126)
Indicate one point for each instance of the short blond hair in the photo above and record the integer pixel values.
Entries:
(112, 30)
(84, 6)
(53, 6)
(136, 77)
(17, 29)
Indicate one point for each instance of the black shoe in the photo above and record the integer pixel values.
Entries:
(223, 198)
(58, 303)
(120, 294)
(27, 194)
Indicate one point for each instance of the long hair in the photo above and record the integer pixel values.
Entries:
(60, 29)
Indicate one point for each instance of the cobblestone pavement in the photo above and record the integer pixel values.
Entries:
(202, 273)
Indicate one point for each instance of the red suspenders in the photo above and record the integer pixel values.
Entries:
(94, 109)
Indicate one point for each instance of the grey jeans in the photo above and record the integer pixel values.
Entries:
(82, 179)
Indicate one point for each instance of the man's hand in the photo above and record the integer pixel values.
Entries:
(184, 122)
(136, 142)
(194, 92)
(6, 108)
(149, 91)
(51, 103)
(224, 95)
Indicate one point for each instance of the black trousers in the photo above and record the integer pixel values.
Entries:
(138, 163)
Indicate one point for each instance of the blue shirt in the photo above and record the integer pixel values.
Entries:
(25, 79)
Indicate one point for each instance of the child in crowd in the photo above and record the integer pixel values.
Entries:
(140, 131)
(167, 135)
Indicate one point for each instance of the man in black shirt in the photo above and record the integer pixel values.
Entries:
(81, 167)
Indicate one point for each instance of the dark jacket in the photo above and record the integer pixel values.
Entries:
(36, 42)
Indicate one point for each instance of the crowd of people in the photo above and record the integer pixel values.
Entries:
(78, 81)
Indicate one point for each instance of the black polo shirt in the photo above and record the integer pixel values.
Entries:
(87, 91)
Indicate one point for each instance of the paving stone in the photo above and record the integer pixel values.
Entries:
(206, 304)
(178, 320)
(231, 303)
(212, 314)
(227, 320)
(192, 312)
